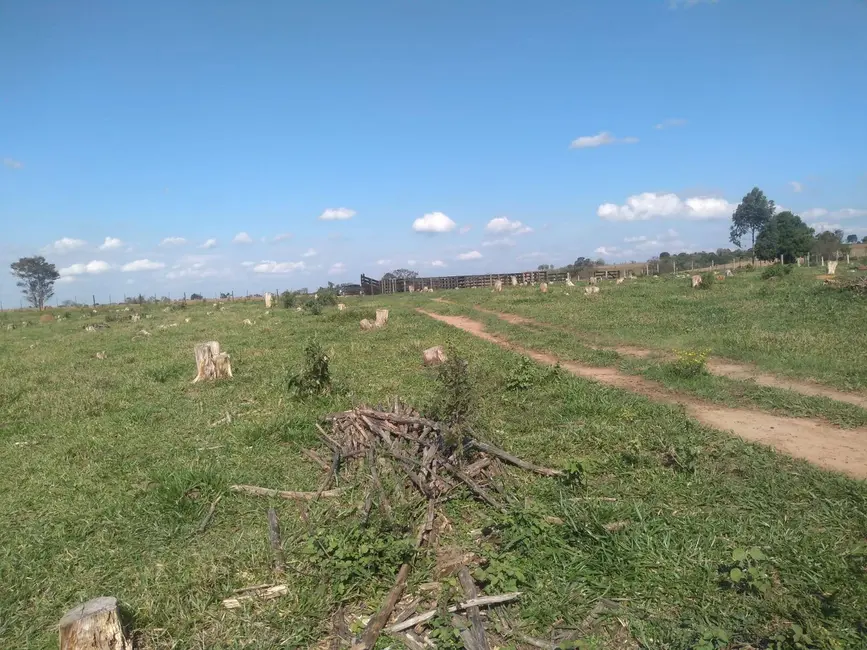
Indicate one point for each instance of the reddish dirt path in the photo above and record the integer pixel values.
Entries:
(719, 367)
(843, 450)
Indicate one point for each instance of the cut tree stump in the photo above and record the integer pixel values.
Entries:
(211, 363)
(94, 625)
(381, 318)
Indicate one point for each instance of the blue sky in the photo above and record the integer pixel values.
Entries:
(212, 145)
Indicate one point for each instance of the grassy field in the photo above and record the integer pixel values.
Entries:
(109, 466)
(792, 326)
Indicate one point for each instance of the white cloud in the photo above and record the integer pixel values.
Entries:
(438, 263)
(848, 213)
(130, 281)
(337, 214)
(248, 263)
(609, 251)
(814, 213)
(196, 270)
(411, 262)
(242, 238)
(842, 213)
(506, 225)
(278, 267)
(142, 265)
(499, 243)
(532, 256)
(650, 205)
(209, 243)
(110, 243)
(66, 279)
(433, 222)
(598, 140)
(337, 268)
(66, 244)
(630, 240)
(465, 229)
(383, 262)
(471, 255)
(282, 236)
(13, 164)
(309, 253)
(821, 226)
(670, 123)
(796, 186)
(173, 241)
(92, 268)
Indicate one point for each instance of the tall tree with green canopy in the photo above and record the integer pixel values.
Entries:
(751, 215)
(784, 234)
(36, 278)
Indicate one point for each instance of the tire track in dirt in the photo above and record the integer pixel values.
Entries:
(842, 450)
(719, 367)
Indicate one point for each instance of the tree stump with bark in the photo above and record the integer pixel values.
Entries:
(211, 363)
(94, 625)
(381, 317)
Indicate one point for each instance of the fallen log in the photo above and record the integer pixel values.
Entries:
(482, 601)
(268, 593)
(276, 543)
(284, 494)
(514, 460)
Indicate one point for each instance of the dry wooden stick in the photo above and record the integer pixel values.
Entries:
(377, 484)
(312, 455)
(475, 487)
(276, 544)
(514, 460)
(482, 601)
(210, 515)
(283, 494)
(374, 627)
(477, 629)
(266, 594)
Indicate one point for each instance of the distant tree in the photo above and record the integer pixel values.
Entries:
(226, 295)
(864, 240)
(582, 263)
(196, 296)
(599, 262)
(829, 244)
(784, 234)
(36, 278)
(545, 267)
(852, 239)
(664, 255)
(751, 215)
(400, 274)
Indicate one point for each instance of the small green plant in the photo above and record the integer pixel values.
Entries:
(575, 473)
(315, 377)
(683, 459)
(313, 307)
(327, 297)
(287, 299)
(455, 395)
(747, 571)
(708, 279)
(522, 375)
(501, 573)
(690, 363)
(444, 634)
(776, 271)
(796, 638)
(713, 639)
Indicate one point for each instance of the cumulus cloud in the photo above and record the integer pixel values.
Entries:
(110, 243)
(282, 236)
(532, 256)
(471, 255)
(248, 263)
(66, 244)
(842, 213)
(90, 268)
(173, 241)
(242, 238)
(411, 262)
(209, 243)
(796, 186)
(506, 225)
(65, 279)
(433, 222)
(600, 139)
(465, 229)
(269, 266)
(309, 253)
(142, 265)
(822, 226)
(337, 268)
(650, 205)
(503, 242)
(438, 263)
(12, 163)
(670, 123)
(383, 262)
(337, 214)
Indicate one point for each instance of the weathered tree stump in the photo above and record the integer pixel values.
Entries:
(381, 317)
(211, 363)
(832, 267)
(543, 287)
(341, 306)
(498, 286)
(592, 280)
(514, 281)
(618, 281)
(268, 298)
(94, 625)
(696, 281)
(366, 324)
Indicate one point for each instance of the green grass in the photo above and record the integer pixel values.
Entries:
(792, 325)
(120, 465)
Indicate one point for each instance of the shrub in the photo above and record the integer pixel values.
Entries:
(749, 267)
(707, 280)
(287, 298)
(690, 363)
(327, 297)
(522, 376)
(776, 271)
(315, 377)
(455, 396)
(313, 307)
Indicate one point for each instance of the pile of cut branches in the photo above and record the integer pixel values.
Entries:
(435, 462)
